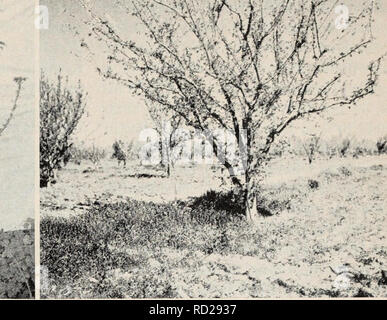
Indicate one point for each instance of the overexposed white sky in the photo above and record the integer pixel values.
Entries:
(114, 113)
(17, 142)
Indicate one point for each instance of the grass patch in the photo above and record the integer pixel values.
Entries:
(118, 240)
(125, 236)
(17, 272)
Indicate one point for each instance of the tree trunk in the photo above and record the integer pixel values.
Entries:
(250, 185)
(251, 210)
(234, 178)
(168, 170)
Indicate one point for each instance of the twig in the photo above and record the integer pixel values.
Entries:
(19, 81)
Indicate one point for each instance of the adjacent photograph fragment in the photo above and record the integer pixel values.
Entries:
(213, 149)
(17, 58)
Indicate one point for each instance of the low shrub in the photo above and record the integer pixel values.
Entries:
(17, 272)
(345, 171)
(313, 184)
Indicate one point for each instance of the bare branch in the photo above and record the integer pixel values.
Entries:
(19, 82)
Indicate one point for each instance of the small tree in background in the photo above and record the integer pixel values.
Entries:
(131, 152)
(311, 147)
(381, 144)
(77, 154)
(95, 154)
(166, 124)
(60, 112)
(119, 152)
(19, 82)
(280, 148)
(344, 147)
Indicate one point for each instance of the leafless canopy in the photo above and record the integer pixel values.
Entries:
(19, 81)
(253, 65)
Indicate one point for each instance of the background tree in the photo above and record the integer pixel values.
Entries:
(95, 154)
(311, 146)
(167, 123)
(19, 82)
(60, 111)
(251, 67)
(343, 148)
(119, 152)
(381, 144)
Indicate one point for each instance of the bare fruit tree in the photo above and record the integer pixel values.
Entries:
(250, 67)
(166, 124)
(311, 146)
(60, 111)
(19, 82)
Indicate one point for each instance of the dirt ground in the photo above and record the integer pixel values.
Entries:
(331, 240)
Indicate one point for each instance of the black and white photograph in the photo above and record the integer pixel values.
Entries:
(211, 149)
(17, 165)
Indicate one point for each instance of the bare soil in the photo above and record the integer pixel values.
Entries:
(328, 241)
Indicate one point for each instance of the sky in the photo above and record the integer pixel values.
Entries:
(17, 141)
(113, 113)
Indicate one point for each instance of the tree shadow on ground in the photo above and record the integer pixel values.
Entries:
(220, 207)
